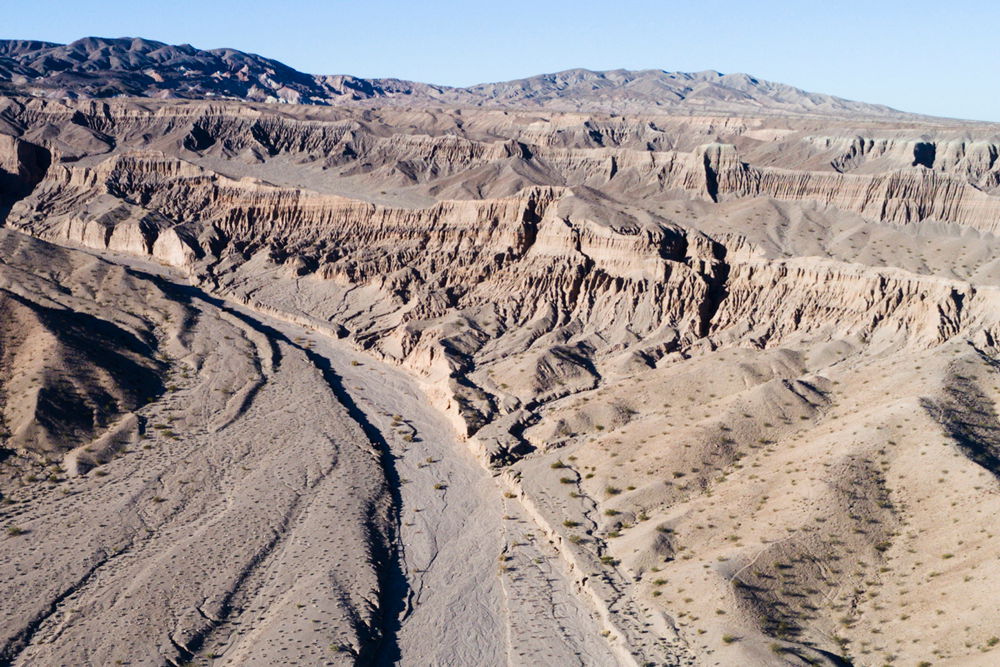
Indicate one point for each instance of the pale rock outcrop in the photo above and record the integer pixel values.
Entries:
(658, 298)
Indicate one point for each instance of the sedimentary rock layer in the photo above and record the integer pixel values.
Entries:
(709, 357)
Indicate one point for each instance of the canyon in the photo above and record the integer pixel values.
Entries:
(510, 374)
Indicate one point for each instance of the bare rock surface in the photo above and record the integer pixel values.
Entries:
(97, 67)
(581, 380)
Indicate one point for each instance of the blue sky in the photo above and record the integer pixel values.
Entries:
(939, 58)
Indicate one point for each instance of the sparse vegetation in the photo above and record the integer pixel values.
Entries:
(635, 365)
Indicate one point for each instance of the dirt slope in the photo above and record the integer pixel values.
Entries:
(674, 389)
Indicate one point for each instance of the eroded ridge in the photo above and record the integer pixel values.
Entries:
(682, 390)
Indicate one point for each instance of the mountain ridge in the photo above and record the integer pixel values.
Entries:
(97, 67)
(449, 376)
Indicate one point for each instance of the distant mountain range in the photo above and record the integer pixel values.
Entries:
(96, 67)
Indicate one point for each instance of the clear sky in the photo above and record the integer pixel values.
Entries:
(934, 57)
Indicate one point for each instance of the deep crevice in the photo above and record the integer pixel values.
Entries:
(718, 290)
(924, 154)
(711, 180)
(33, 164)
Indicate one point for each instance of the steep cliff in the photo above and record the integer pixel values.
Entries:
(651, 328)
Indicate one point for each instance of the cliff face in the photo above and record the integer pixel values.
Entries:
(890, 175)
(957, 191)
(545, 248)
(22, 167)
(684, 291)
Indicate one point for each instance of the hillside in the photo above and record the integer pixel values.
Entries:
(96, 67)
(373, 383)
